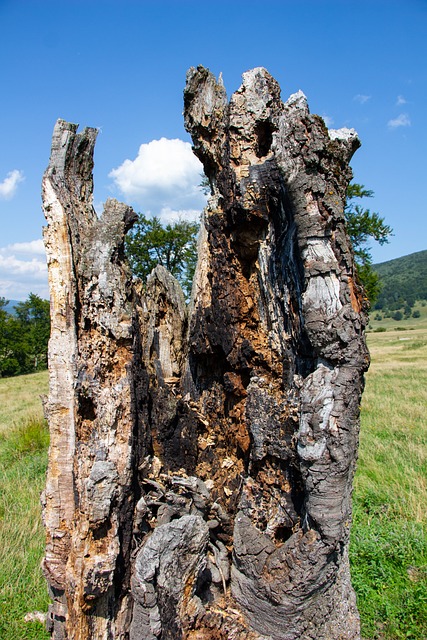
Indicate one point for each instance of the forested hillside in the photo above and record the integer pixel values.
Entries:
(404, 280)
(24, 335)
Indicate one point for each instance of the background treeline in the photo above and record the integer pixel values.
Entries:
(403, 282)
(24, 336)
(392, 287)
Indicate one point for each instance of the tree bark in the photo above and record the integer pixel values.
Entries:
(94, 367)
(201, 460)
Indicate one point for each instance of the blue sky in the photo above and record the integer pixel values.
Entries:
(120, 66)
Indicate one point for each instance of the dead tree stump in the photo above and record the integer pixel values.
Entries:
(201, 459)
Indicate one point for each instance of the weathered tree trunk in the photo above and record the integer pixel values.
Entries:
(94, 365)
(201, 465)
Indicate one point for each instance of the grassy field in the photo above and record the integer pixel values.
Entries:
(392, 325)
(389, 539)
(23, 459)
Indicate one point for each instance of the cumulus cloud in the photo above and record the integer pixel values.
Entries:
(16, 266)
(35, 247)
(163, 180)
(400, 100)
(23, 270)
(10, 183)
(402, 120)
(362, 99)
(169, 216)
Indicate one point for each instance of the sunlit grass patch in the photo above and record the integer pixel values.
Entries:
(389, 573)
(20, 396)
(389, 537)
(23, 460)
(27, 437)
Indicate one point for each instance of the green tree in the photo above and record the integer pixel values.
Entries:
(33, 317)
(9, 364)
(24, 336)
(362, 227)
(3, 318)
(174, 246)
(3, 304)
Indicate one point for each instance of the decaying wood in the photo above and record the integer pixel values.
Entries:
(201, 460)
(94, 358)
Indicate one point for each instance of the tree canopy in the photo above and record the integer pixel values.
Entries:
(24, 336)
(362, 227)
(174, 246)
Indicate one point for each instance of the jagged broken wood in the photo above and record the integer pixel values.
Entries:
(201, 459)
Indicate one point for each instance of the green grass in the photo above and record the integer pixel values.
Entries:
(23, 459)
(389, 541)
(20, 396)
(389, 537)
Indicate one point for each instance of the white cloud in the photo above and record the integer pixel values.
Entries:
(164, 177)
(35, 247)
(23, 270)
(15, 266)
(10, 183)
(361, 98)
(328, 121)
(400, 100)
(169, 216)
(401, 121)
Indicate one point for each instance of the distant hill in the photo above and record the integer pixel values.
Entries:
(10, 307)
(404, 280)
